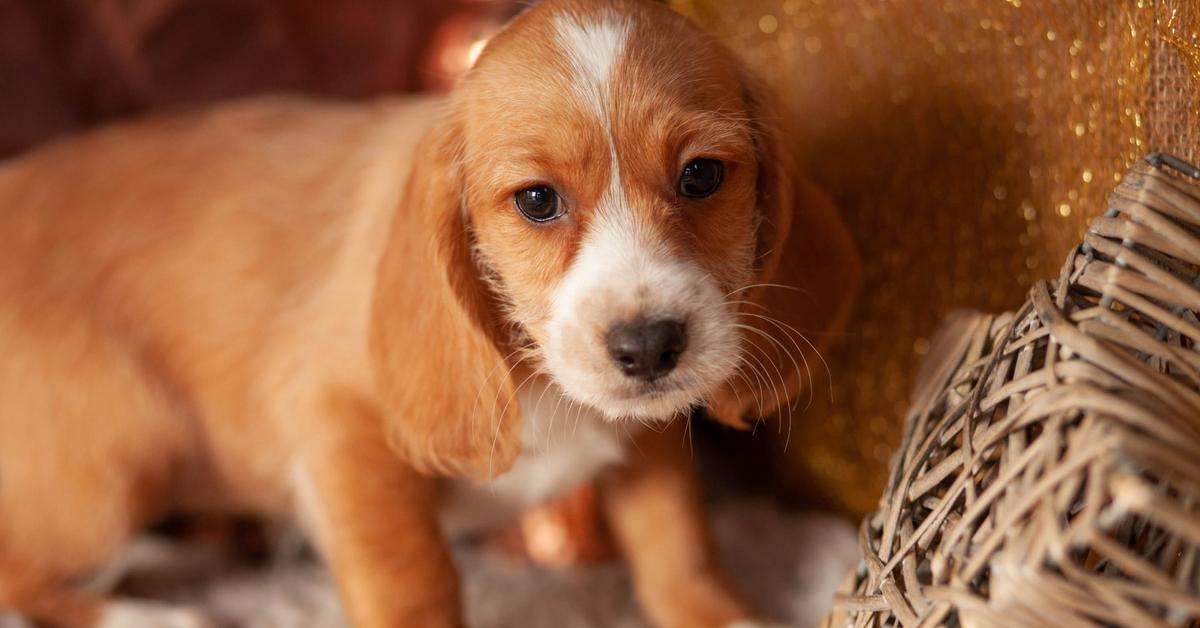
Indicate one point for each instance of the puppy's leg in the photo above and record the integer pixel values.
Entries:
(374, 519)
(45, 582)
(46, 604)
(129, 613)
(46, 550)
(654, 509)
(89, 447)
(70, 609)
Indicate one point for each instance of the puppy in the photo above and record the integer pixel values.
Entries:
(329, 312)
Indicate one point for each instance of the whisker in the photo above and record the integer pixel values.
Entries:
(500, 417)
(578, 415)
(745, 302)
(790, 403)
(766, 285)
(739, 369)
(803, 358)
(774, 366)
(786, 328)
(550, 427)
(632, 439)
(488, 377)
(687, 432)
(735, 367)
(740, 366)
(760, 375)
(507, 374)
(779, 401)
(554, 414)
(808, 342)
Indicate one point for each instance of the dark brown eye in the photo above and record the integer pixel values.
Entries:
(701, 178)
(538, 203)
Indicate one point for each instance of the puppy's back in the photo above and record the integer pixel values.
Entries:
(216, 216)
(145, 272)
(221, 190)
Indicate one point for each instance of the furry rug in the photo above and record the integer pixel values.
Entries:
(786, 564)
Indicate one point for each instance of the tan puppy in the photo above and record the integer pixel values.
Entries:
(248, 308)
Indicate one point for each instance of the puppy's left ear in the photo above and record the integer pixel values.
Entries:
(437, 342)
(807, 276)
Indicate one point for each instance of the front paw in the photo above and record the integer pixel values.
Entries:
(750, 623)
(127, 613)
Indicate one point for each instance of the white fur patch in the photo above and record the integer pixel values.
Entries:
(563, 445)
(623, 273)
(129, 614)
(593, 48)
(308, 505)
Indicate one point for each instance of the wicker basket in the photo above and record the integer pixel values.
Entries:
(1050, 469)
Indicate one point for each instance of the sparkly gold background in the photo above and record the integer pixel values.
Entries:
(968, 143)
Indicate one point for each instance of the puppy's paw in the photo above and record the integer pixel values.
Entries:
(747, 623)
(130, 614)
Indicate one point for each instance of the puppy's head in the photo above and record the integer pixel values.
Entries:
(614, 195)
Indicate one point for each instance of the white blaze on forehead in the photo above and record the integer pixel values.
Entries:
(593, 46)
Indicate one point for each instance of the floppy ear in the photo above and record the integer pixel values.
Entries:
(436, 341)
(808, 274)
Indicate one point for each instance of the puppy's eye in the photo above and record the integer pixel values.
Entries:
(538, 203)
(701, 177)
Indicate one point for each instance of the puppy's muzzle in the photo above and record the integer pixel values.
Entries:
(647, 350)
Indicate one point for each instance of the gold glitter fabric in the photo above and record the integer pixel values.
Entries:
(968, 143)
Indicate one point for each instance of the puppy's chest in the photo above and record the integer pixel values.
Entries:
(563, 445)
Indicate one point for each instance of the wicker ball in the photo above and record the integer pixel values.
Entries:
(1050, 468)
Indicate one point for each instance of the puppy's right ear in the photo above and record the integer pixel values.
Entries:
(436, 339)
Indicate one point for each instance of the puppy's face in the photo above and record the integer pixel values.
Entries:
(609, 171)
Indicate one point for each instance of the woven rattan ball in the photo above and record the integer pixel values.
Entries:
(1050, 468)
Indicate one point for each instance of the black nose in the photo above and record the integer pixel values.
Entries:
(647, 350)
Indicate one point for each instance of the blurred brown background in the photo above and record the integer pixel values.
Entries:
(69, 64)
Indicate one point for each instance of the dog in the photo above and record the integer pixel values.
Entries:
(407, 319)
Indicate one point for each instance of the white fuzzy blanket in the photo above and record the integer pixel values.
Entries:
(787, 565)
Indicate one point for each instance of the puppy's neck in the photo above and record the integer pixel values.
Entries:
(563, 444)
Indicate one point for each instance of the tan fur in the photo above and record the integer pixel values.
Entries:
(310, 310)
